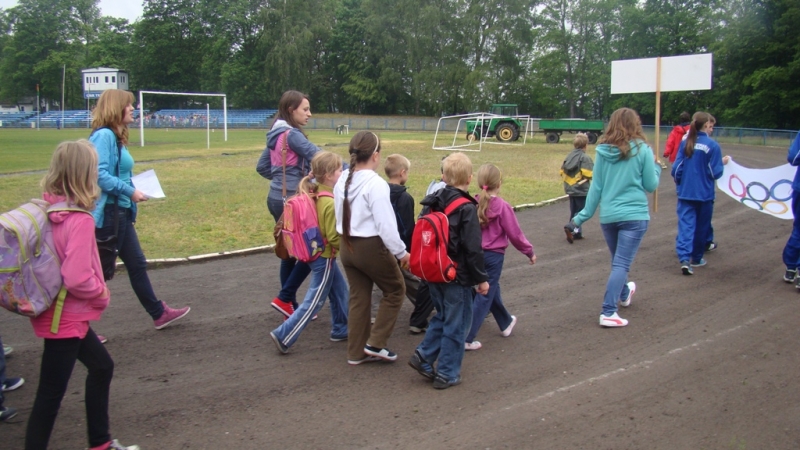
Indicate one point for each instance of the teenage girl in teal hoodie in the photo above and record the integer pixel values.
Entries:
(625, 170)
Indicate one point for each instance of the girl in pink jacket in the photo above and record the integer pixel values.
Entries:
(73, 178)
(499, 226)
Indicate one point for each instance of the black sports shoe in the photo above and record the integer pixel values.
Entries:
(7, 413)
(441, 383)
(382, 353)
(421, 366)
(790, 275)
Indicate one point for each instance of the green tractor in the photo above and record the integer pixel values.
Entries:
(501, 123)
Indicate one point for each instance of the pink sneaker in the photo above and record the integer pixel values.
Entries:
(170, 315)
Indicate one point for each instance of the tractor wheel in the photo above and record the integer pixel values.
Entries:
(592, 137)
(552, 138)
(506, 132)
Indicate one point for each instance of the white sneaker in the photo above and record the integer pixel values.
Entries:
(613, 320)
(474, 345)
(627, 302)
(115, 445)
(507, 331)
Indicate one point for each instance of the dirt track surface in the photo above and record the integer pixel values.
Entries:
(707, 362)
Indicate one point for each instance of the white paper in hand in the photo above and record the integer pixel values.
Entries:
(147, 182)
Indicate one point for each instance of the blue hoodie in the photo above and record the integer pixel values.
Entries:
(794, 159)
(620, 186)
(694, 177)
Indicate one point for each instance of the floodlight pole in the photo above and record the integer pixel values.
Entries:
(658, 123)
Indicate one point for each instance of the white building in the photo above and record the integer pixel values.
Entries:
(99, 79)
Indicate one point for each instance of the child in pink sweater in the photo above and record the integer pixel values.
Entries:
(499, 225)
(72, 178)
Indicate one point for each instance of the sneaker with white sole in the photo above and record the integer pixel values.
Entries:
(170, 315)
(631, 290)
(382, 353)
(281, 348)
(365, 359)
(686, 268)
(788, 276)
(474, 345)
(285, 308)
(507, 331)
(711, 246)
(613, 320)
(7, 350)
(12, 384)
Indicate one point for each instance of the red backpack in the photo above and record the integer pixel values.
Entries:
(429, 259)
(301, 233)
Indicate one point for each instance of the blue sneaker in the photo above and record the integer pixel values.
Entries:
(700, 263)
(686, 268)
(421, 366)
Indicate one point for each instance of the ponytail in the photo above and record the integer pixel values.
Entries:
(483, 205)
(346, 203)
(699, 121)
(307, 186)
(489, 178)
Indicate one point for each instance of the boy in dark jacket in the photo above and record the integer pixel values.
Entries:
(444, 339)
(396, 168)
(576, 172)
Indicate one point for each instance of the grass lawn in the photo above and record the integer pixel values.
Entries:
(217, 202)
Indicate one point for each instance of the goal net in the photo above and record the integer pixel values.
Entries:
(185, 94)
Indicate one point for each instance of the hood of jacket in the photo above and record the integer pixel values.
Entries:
(56, 216)
(610, 153)
(362, 179)
(278, 127)
(573, 162)
(439, 200)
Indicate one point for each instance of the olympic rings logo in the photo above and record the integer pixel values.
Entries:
(763, 198)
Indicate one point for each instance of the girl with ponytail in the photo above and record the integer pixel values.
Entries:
(326, 279)
(371, 251)
(499, 225)
(697, 167)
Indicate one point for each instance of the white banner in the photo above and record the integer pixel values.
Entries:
(678, 73)
(765, 190)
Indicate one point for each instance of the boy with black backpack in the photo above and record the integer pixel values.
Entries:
(444, 338)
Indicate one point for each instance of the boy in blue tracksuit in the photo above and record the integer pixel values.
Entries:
(697, 167)
(791, 252)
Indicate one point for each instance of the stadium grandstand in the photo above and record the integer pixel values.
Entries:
(165, 118)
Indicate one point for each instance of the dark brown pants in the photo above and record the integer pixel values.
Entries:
(370, 262)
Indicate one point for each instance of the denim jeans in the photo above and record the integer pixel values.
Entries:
(293, 272)
(58, 361)
(492, 301)
(327, 281)
(791, 252)
(623, 239)
(694, 229)
(131, 254)
(444, 340)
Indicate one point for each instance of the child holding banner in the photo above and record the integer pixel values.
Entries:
(791, 252)
(697, 166)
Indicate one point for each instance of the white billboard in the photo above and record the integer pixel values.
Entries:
(678, 73)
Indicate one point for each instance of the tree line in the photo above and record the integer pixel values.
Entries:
(415, 57)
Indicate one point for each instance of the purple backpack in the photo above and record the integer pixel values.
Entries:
(30, 270)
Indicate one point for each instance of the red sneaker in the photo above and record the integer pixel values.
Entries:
(102, 338)
(170, 315)
(282, 307)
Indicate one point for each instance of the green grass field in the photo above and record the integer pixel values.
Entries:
(217, 202)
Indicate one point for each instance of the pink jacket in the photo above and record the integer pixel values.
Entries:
(503, 227)
(87, 296)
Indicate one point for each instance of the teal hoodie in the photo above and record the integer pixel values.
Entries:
(619, 186)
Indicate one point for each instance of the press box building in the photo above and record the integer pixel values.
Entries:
(99, 79)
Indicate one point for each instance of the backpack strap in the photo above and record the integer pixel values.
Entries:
(455, 204)
(284, 150)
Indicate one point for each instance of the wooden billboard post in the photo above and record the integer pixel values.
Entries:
(668, 74)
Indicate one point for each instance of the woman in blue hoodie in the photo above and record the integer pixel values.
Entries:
(698, 165)
(294, 110)
(625, 170)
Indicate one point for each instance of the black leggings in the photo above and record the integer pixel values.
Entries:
(58, 360)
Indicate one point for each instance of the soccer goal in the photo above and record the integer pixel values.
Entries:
(191, 94)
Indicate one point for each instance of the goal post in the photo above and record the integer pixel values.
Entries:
(190, 94)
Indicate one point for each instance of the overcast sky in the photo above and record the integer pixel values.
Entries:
(127, 9)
